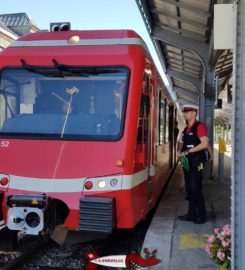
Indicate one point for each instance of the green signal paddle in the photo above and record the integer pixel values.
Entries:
(185, 163)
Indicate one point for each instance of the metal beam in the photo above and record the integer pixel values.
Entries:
(160, 55)
(148, 23)
(188, 61)
(224, 72)
(180, 19)
(184, 6)
(229, 56)
(182, 76)
(214, 57)
(200, 48)
(227, 62)
(189, 33)
(183, 63)
(184, 101)
(145, 14)
(238, 145)
(173, 48)
(187, 93)
(186, 69)
(223, 61)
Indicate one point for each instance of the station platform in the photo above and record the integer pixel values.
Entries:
(181, 244)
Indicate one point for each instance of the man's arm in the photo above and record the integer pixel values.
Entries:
(202, 145)
(179, 148)
(180, 144)
(210, 151)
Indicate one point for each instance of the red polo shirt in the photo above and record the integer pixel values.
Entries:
(201, 131)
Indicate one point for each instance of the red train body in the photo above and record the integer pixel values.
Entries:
(86, 133)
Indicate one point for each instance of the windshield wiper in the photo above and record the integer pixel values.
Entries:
(62, 70)
(70, 70)
(85, 71)
(41, 70)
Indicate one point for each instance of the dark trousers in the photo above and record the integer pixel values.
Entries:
(193, 184)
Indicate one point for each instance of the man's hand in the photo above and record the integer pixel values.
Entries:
(211, 158)
(180, 154)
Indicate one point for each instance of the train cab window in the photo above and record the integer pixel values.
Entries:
(82, 103)
(7, 105)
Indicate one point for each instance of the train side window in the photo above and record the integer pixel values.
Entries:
(161, 118)
(143, 119)
(166, 126)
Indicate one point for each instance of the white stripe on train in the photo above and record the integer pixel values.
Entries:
(82, 42)
(76, 185)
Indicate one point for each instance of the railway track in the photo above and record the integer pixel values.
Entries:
(47, 255)
(22, 257)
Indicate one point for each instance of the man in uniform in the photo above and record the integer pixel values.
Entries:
(191, 144)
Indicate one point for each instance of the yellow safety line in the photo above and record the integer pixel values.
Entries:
(192, 241)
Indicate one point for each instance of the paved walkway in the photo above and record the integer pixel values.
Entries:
(181, 244)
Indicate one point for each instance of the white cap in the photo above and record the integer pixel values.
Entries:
(189, 107)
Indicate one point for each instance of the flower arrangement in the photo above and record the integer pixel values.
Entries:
(219, 247)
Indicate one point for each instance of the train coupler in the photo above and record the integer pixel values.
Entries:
(26, 213)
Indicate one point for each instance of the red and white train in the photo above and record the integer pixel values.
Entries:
(86, 132)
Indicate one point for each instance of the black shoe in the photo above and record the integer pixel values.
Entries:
(187, 217)
(199, 220)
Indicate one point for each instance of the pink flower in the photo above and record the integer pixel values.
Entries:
(208, 249)
(221, 255)
(219, 245)
(211, 239)
(225, 243)
(217, 230)
(227, 229)
(221, 237)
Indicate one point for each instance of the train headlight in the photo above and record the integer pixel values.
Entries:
(73, 39)
(101, 184)
(114, 182)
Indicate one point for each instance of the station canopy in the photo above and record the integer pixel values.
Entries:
(180, 29)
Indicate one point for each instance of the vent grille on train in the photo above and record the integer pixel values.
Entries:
(97, 214)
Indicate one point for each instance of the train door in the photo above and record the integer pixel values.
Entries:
(175, 132)
(144, 146)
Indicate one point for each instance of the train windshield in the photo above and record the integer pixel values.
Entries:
(61, 102)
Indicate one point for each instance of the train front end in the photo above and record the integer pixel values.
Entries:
(64, 137)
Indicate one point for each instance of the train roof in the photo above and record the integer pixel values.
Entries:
(83, 34)
(80, 38)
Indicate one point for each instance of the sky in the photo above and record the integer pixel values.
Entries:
(87, 15)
